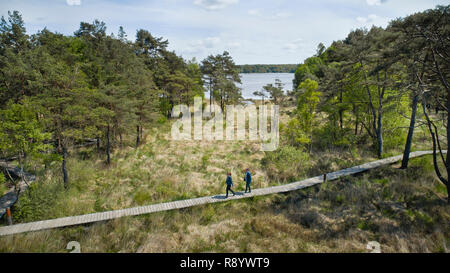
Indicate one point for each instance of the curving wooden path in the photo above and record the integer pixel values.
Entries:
(108, 215)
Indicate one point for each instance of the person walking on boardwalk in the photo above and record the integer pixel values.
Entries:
(248, 180)
(229, 184)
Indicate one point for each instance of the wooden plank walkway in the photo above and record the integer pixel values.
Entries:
(108, 215)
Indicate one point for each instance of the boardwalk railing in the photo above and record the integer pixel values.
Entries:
(108, 215)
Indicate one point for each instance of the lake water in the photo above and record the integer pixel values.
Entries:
(252, 82)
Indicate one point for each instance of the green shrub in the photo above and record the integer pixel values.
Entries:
(208, 215)
(417, 215)
(340, 198)
(363, 225)
(205, 160)
(165, 191)
(293, 134)
(286, 164)
(440, 187)
(162, 119)
(330, 136)
(423, 162)
(40, 202)
(394, 125)
(382, 181)
(142, 197)
(3, 187)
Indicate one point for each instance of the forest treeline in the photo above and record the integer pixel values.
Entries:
(58, 91)
(267, 68)
(378, 85)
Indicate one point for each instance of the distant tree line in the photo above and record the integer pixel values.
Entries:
(267, 68)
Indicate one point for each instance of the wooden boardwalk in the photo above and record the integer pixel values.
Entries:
(108, 215)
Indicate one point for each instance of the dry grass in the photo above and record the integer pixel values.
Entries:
(404, 213)
(403, 210)
(159, 170)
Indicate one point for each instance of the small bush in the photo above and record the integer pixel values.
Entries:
(330, 136)
(142, 197)
(286, 164)
(208, 215)
(382, 181)
(162, 119)
(40, 202)
(394, 126)
(166, 190)
(205, 160)
(424, 162)
(440, 188)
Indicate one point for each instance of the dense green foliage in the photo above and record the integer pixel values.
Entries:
(58, 91)
(365, 89)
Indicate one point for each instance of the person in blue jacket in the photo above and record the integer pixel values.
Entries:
(229, 184)
(248, 180)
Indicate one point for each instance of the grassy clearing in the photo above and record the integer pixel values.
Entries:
(159, 170)
(403, 210)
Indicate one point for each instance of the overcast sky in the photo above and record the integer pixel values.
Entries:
(253, 31)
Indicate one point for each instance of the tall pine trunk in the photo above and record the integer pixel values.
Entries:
(447, 158)
(437, 148)
(380, 136)
(412, 123)
(108, 146)
(355, 111)
(64, 168)
(137, 136)
(379, 126)
(98, 144)
(341, 112)
(210, 95)
(409, 139)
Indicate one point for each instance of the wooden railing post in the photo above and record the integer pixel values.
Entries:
(325, 178)
(8, 216)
